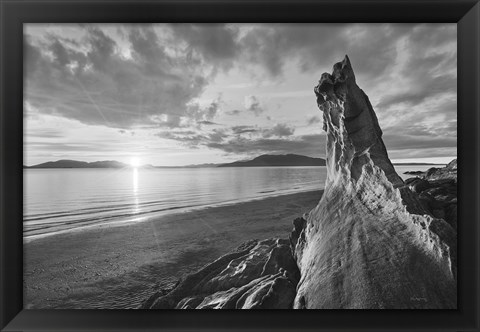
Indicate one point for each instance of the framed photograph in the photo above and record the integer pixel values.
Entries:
(280, 155)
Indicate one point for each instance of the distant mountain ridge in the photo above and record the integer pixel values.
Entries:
(278, 160)
(65, 163)
(263, 160)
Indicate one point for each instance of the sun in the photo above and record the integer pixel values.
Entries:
(135, 162)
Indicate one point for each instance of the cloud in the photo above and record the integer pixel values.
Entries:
(423, 153)
(189, 139)
(310, 145)
(436, 117)
(207, 123)
(430, 87)
(424, 75)
(68, 147)
(217, 135)
(212, 42)
(401, 142)
(250, 140)
(101, 86)
(244, 129)
(312, 46)
(205, 114)
(234, 112)
(313, 120)
(252, 104)
(45, 133)
(102, 49)
(279, 130)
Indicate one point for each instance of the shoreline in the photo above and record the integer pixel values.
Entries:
(154, 215)
(120, 266)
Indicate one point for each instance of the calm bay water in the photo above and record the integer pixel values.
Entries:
(58, 200)
(63, 199)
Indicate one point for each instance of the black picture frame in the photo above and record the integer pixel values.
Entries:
(14, 13)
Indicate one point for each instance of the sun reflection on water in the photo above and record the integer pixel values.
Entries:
(135, 190)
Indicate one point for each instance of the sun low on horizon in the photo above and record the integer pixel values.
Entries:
(135, 162)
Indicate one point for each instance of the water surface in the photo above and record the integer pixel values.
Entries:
(68, 199)
(71, 198)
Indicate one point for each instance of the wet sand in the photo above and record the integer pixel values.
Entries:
(118, 267)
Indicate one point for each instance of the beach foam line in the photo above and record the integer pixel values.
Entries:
(77, 212)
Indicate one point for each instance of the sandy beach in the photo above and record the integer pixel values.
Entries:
(113, 267)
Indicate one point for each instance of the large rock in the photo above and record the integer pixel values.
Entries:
(440, 195)
(257, 275)
(418, 185)
(437, 191)
(435, 173)
(369, 243)
(447, 172)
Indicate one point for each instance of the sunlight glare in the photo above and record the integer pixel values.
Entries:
(135, 162)
(135, 180)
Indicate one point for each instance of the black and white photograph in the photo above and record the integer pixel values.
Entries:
(240, 166)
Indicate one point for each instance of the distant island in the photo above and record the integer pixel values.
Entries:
(278, 160)
(81, 164)
(265, 160)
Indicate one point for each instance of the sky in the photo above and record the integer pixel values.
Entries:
(181, 94)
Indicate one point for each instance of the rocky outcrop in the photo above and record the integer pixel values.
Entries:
(447, 172)
(437, 191)
(257, 275)
(370, 243)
